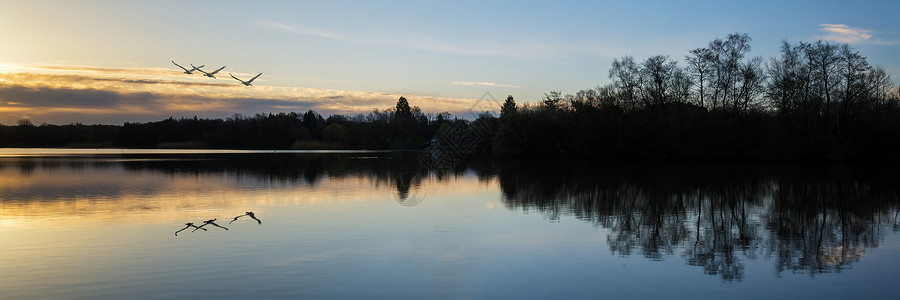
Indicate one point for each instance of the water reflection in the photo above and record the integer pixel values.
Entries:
(209, 222)
(716, 217)
(189, 225)
(807, 220)
(247, 214)
(166, 188)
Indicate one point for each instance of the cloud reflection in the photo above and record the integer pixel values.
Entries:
(155, 189)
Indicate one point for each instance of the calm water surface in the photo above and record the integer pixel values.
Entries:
(89, 225)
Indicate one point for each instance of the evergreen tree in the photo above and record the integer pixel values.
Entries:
(406, 131)
(509, 107)
(403, 110)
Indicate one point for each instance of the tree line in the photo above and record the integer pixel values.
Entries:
(814, 101)
(403, 127)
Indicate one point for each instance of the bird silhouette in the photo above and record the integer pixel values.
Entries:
(247, 83)
(249, 213)
(188, 226)
(209, 74)
(191, 71)
(209, 222)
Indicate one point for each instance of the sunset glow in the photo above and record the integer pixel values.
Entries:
(60, 92)
(99, 62)
(275, 149)
(116, 194)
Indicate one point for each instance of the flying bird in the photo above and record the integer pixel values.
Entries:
(247, 83)
(249, 213)
(210, 74)
(191, 71)
(188, 226)
(208, 222)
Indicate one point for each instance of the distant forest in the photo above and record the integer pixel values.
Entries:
(815, 101)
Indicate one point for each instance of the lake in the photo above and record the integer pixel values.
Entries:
(101, 224)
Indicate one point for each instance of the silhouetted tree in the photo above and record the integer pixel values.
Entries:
(726, 61)
(552, 100)
(752, 84)
(406, 126)
(784, 88)
(509, 107)
(627, 80)
(403, 111)
(659, 73)
(700, 65)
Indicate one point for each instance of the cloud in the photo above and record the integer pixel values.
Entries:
(842, 33)
(87, 95)
(483, 83)
(70, 69)
(170, 82)
(68, 78)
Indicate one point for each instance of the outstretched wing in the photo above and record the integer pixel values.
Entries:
(254, 78)
(198, 69)
(183, 68)
(217, 71)
(238, 79)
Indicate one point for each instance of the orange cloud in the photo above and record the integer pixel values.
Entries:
(63, 94)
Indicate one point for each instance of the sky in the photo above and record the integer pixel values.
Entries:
(110, 62)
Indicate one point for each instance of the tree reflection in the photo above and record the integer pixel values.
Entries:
(401, 170)
(826, 225)
(719, 215)
(716, 217)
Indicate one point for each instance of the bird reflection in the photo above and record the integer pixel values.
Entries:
(250, 214)
(213, 223)
(209, 222)
(188, 226)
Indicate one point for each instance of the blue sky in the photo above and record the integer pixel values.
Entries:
(443, 56)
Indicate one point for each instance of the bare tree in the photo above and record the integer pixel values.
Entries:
(700, 65)
(553, 100)
(726, 61)
(853, 69)
(681, 85)
(823, 62)
(658, 72)
(880, 85)
(752, 83)
(627, 79)
(785, 79)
